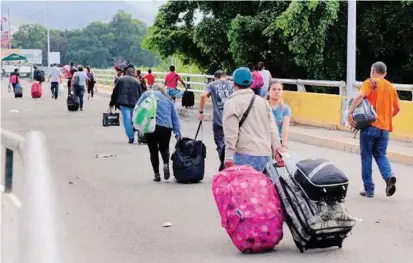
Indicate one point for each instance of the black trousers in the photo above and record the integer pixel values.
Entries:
(90, 88)
(158, 141)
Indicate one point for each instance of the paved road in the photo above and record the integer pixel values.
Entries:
(111, 211)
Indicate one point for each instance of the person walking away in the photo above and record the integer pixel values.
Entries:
(171, 83)
(55, 78)
(167, 120)
(257, 80)
(72, 71)
(251, 136)
(14, 79)
(374, 139)
(141, 80)
(219, 91)
(91, 82)
(125, 95)
(79, 83)
(280, 110)
(150, 79)
(267, 78)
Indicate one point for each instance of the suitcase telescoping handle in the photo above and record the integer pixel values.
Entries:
(197, 131)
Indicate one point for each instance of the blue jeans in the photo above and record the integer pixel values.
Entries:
(80, 92)
(174, 93)
(127, 121)
(373, 143)
(256, 162)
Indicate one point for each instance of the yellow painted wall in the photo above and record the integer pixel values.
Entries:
(324, 110)
(314, 109)
(403, 122)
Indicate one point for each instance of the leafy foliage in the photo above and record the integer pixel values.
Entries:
(98, 45)
(297, 39)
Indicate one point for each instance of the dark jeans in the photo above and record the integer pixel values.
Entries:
(55, 89)
(90, 88)
(219, 141)
(158, 141)
(373, 143)
(69, 83)
(80, 92)
(14, 87)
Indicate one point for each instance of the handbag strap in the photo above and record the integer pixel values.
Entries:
(245, 115)
(197, 131)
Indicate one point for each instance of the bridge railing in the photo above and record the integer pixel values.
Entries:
(197, 82)
(36, 222)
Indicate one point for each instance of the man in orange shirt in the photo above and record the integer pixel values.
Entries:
(374, 139)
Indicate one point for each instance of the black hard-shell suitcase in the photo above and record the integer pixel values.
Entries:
(312, 224)
(321, 180)
(188, 99)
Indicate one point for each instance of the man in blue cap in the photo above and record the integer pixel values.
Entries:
(251, 136)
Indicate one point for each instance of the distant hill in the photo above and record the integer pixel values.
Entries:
(75, 14)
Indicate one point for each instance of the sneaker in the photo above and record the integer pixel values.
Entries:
(157, 178)
(166, 173)
(365, 194)
(81, 109)
(131, 140)
(391, 186)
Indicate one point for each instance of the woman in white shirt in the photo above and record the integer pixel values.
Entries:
(266, 76)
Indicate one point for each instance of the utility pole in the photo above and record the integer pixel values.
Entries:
(351, 46)
(9, 29)
(48, 34)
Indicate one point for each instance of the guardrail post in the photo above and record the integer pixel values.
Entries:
(342, 88)
(188, 79)
(300, 87)
(8, 171)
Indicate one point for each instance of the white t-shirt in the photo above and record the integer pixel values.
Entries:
(54, 74)
(266, 77)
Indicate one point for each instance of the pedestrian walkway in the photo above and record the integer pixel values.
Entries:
(111, 211)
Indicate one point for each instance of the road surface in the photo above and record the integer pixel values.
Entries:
(111, 211)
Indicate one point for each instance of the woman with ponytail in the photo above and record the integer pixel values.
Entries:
(280, 110)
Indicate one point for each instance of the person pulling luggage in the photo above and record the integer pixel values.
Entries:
(251, 135)
(167, 120)
(125, 95)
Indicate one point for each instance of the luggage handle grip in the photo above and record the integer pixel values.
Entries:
(197, 131)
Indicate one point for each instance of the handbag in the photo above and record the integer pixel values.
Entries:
(110, 118)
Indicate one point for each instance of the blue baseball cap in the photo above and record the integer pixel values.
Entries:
(242, 77)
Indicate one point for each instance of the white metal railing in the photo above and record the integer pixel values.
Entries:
(202, 80)
(37, 224)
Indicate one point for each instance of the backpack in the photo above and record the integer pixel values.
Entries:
(36, 90)
(13, 79)
(39, 75)
(257, 80)
(250, 208)
(144, 115)
(364, 115)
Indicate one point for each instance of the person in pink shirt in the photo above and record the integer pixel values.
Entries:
(171, 83)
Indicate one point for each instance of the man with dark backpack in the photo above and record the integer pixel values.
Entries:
(382, 95)
(251, 135)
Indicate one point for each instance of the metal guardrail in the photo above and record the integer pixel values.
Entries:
(37, 218)
(202, 80)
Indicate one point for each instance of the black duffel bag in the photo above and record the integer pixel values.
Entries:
(110, 119)
(188, 160)
(321, 180)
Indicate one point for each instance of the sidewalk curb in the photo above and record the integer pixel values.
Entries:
(345, 146)
(318, 141)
